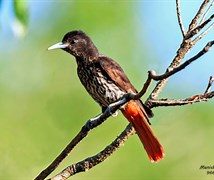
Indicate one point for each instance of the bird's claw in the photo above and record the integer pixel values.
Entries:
(114, 114)
(108, 109)
(89, 124)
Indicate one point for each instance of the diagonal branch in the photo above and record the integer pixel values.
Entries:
(90, 162)
(199, 28)
(194, 22)
(94, 122)
(179, 102)
(91, 124)
(181, 52)
(174, 67)
(179, 18)
(182, 66)
(194, 99)
(202, 34)
(207, 11)
(211, 80)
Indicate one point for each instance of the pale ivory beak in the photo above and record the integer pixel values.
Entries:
(59, 45)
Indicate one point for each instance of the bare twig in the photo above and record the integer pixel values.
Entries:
(120, 140)
(173, 68)
(194, 99)
(202, 34)
(179, 18)
(194, 22)
(91, 124)
(183, 49)
(180, 102)
(144, 89)
(196, 30)
(185, 46)
(152, 74)
(112, 108)
(211, 80)
(207, 11)
(90, 162)
(182, 66)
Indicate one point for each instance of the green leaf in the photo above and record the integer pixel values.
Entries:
(21, 11)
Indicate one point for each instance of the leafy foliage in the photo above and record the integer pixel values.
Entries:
(21, 11)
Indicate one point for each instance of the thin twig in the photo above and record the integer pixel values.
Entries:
(181, 52)
(185, 46)
(182, 66)
(90, 162)
(174, 67)
(207, 11)
(196, 30)
(113, 107)
(91, 124)
(194, 22)
(211, 80)
(202, 34)
(179, 18)
(144, 89)
(179, 102)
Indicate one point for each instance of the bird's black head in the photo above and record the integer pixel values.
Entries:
(78, 44)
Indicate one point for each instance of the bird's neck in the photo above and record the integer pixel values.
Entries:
(88, 57)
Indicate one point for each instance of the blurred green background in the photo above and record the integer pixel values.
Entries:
(43, 105)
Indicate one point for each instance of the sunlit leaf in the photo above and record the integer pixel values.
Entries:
(21, 13)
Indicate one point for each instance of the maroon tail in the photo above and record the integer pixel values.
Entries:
(134, 114)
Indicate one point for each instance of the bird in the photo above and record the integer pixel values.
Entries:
(106, 83)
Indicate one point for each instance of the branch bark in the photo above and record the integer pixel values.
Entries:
(90, 162)
(180, 22)
(195, 20)
(152, 101)
(194, 99)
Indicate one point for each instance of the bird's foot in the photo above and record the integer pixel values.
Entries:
(89, 123)
(114, 114)
(109, 110)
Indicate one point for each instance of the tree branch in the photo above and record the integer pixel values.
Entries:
(211, 80)
(182, 66)
(94, 122)
(196, 30)
(91, 124)
(179, 18)
(151, 102)
(202, 34)
(194, 99)
(185, 46)
(194, 22)
(90, 162)
(207, 11)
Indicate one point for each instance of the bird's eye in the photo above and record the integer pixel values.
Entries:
(73, 41)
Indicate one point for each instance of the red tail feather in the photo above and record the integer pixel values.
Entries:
(133, 112)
